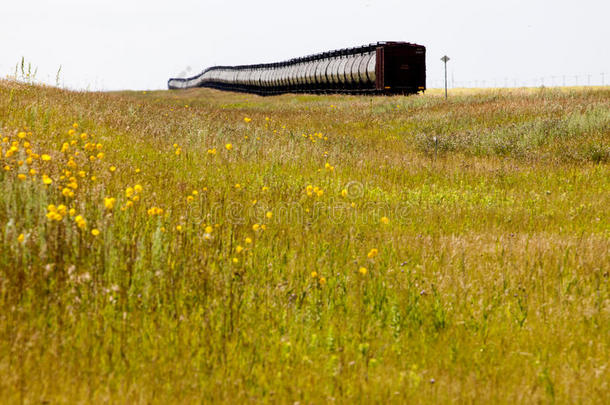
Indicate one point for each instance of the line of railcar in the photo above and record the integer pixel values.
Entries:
(381, 68)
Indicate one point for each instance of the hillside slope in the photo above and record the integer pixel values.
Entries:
(197, 245)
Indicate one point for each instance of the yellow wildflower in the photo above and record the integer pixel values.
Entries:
(385, 220)
(269, 215)
(95, 232)
(66, 192)
(137, 188)
(246, 119)
(229, 146)
(22, 176)
(112, 169)
(362, 270)
(248, 241)
(209, 229)
(239, 249)
(314, 274)
(20, 238)
(109, 202)
(62, 209)
(372, 253)
(80, 221)
(129, 192)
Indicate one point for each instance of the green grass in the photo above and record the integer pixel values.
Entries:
(490, 283)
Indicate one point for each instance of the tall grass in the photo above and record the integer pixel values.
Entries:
(205, 246)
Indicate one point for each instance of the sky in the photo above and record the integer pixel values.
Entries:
(112, 45)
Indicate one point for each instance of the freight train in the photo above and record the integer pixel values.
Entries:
(381, 68)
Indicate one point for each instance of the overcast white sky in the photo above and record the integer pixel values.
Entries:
(130, 44)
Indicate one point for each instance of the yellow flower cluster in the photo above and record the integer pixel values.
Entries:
(152, 211)
(56, 213)
(321, 280)
(19, 155)
(315, 137)
(328, 167)
(133, 194)
(372, 253)
(80, 221)
(191, 198)
(312, 191)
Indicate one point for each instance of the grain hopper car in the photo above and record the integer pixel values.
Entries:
(381, 68)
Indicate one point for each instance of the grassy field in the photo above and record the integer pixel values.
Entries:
(199, 246)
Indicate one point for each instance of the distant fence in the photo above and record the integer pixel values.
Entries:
(589, 79)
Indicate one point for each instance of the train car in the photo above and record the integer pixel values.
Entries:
(381, 68)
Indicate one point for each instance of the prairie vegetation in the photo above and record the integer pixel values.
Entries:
(203, 246)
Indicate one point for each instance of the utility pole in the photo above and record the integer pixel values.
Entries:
(445, 59)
